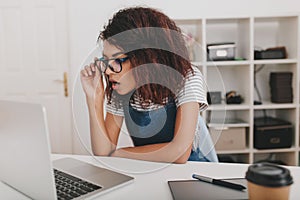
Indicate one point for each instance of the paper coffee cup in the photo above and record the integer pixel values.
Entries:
(268, 181)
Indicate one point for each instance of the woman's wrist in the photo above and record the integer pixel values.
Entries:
(95, 104)
(96, 98)
(95, 95)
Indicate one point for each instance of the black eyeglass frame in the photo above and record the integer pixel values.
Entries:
(106, 64)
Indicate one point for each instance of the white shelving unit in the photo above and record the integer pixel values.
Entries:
(249, 33)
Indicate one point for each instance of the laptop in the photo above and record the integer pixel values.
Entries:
(26, 164)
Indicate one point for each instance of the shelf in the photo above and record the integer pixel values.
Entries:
(228, 63)
(283, 158)
(270, 105)
(234, 157)
(220, 78)
(277, 31)
(275, 61)
(283, 150)
(192, 31)
(228, 107)
(248, 34)
(238, 151)
(199, 64)
(235, 30)
(228, 125)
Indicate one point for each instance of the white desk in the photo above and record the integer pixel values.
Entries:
(151, 178)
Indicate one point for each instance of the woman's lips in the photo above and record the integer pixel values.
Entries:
(114, 84)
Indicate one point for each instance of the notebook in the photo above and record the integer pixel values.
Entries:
(195, 189)
(26, 164)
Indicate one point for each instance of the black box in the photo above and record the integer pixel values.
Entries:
(271, 53)
(281, 87)
(281, 79)
(214, 97)
(271, 133)
(278, 94)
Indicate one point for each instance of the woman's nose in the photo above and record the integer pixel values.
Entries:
(108, 71)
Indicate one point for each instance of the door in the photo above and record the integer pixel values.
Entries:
(34, 61)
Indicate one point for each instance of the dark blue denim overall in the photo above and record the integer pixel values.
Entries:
(155, 126)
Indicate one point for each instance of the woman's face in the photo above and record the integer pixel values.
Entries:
(122, 82)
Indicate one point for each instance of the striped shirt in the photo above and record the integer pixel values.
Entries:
(193, 91)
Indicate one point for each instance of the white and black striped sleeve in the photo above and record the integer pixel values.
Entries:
(193, 90)
(114, 110)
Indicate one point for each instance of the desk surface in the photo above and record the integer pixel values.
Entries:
(151, 178)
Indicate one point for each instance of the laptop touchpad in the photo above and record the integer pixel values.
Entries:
(77, 167)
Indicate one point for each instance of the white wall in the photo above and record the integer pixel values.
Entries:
(87, 17)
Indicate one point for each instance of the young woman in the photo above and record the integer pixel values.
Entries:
(151, 85)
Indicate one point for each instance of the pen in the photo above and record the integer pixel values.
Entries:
(219, 182)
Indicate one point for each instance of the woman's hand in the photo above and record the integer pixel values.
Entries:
(91, 80)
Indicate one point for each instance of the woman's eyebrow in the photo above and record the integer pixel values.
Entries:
(114, 55)
(118, 53)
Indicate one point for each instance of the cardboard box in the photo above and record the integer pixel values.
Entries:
(233, 138)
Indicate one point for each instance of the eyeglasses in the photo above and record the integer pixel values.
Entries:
(114, 64)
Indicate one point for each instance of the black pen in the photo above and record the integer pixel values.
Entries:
(219, 182)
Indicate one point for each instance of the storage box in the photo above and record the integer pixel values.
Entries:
(225, 138)
(270, 133)
(281, 87)
(221, 51)
(282, 95)
(281, 79)
(271, 53)
(214, 97)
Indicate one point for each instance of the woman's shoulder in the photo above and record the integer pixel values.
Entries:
(193, 90)
(195, 72)
(194, 77)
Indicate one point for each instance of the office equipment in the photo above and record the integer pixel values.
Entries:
(194, 189)
(219, 182)
(26, 164)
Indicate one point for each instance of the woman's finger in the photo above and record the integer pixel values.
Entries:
(88, 69)
(84, 71)
(97, 62)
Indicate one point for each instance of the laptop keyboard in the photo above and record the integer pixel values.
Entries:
(70, 187)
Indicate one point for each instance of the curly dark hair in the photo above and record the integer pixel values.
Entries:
(149, 37)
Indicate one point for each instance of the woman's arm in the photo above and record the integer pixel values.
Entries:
(176, 151)
(103, 140)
